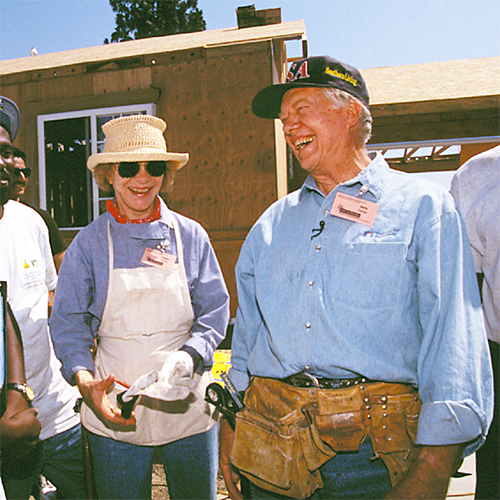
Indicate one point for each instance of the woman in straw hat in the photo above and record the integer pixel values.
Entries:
(145, 282)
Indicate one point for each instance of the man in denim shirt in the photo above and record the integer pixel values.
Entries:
(357, 290)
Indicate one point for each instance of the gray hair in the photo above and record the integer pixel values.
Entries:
(103, 170)
(341, 99)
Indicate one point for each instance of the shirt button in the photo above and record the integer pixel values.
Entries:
(311, 283)
(327, 212)
(307, 368)
(308, 325)
(318, 247)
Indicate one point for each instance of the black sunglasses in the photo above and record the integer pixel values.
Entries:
(128, 169)
(26, 171)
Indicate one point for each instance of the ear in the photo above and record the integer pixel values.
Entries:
(352, 113)
(111, 172)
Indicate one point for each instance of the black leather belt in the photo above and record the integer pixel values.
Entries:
(305, 380)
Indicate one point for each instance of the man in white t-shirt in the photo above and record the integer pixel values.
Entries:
(476, 189)
(26, 265)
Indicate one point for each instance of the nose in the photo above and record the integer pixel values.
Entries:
(290, 122)
(143, 174)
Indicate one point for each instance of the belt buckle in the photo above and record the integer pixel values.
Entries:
(308, 376)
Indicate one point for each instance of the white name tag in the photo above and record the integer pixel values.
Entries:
(354, 209)
(161, 260)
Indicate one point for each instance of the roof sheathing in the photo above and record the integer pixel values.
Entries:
(462, 79)
(156, 45)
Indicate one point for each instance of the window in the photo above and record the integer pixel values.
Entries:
(436, 160)
(65, 141)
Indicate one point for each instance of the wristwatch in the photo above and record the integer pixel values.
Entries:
(24, 389)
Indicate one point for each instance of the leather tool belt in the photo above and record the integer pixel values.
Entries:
(285, 433)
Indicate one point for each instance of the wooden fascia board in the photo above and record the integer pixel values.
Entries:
(438, 106)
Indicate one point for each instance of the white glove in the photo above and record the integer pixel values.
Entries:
(172, 383)
(139, 385)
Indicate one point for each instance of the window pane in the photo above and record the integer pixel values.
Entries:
(68, 181)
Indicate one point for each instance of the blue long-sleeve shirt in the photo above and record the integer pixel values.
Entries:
(396, 302)
(82, 287)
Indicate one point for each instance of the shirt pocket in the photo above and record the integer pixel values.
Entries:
(369, 275)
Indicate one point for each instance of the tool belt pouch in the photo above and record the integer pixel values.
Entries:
(278, 454)
(340, 419)
(393, 430)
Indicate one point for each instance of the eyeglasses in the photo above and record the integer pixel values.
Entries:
(128, 169)
(26, 171)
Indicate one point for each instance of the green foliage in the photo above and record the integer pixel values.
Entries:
(137, 19)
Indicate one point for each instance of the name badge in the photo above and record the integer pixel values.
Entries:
(354, 209)
(161, 260)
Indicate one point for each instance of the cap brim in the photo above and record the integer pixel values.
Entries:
(175, 161)
(267, 103)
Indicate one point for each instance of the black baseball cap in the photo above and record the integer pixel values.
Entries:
(319, 71)
(9, 116)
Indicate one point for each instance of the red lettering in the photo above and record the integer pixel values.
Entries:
(299, 74)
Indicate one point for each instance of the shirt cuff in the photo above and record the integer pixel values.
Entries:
(198, 366)
(240, 380)
(69, 375)
(451, 422)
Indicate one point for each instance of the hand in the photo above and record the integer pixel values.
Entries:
(19, 431)
(429, 476)
(95, 395)
(230, 474)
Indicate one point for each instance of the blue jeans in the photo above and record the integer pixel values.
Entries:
(124, 471)
(345, 476)
(59, 459)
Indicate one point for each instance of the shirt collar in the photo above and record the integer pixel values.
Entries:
(371, 179)
(166, 214)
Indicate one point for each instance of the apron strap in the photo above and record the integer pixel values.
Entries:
(178, 242)
(110, 252)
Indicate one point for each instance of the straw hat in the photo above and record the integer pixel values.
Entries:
(136, 138)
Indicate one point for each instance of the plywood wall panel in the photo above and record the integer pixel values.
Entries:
(231, 176)
(120, 81)
(59, 88)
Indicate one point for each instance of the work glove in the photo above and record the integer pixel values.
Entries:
(173, 382)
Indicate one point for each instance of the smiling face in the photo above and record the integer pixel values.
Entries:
(6, 167)
(318, 134)
(135, 196)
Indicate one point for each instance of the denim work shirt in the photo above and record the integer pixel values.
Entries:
(395, 302)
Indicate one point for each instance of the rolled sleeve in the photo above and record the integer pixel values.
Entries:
(455, 377)
(450, 422)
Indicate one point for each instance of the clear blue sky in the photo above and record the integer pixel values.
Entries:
(364, 33)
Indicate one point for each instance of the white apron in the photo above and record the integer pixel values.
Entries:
(148, 314)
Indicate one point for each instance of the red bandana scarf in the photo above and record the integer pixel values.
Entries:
(121, 219)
